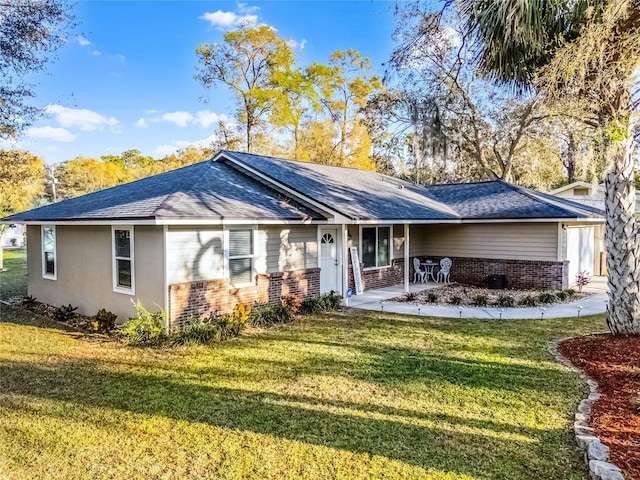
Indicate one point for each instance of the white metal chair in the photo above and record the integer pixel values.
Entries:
(445, 269)
(418, 272)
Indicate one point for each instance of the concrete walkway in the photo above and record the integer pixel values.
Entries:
(379, 300)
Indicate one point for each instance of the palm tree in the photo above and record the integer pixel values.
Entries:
(589, 51)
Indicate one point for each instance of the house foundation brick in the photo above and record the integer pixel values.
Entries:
(205, 297)
(379, 277)
(538, 274)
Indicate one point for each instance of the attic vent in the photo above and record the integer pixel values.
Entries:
(580, 192)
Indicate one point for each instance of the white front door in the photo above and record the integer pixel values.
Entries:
(580, 251)
(329, 268)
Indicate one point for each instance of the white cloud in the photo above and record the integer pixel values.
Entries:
(167, 149)
(175, 145)
(120, 57)
(85, 120)
(245, 9)
(293, 43)
(83, 41)
(226, 20)
(142, 123)
(207, 117)
(96, 53)
(51, 133)
(181, 119)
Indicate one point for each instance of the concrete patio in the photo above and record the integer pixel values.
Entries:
(380, 300)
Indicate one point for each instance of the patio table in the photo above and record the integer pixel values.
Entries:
(429, 267)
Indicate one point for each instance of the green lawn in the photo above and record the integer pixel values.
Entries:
(352, 395)
(13, 279)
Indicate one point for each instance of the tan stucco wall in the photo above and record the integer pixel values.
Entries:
(513, 241)
(84, 270)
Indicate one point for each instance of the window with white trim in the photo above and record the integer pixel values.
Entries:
(123, 267)
(49, 252)
(241, 256)
(376, 246)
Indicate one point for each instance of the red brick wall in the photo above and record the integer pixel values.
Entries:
(519, 273)
(216, 296)
(379, 277)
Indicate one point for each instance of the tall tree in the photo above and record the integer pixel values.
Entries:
(246, 62)
(588, 50)
(449, 107)
(30, 33)
(344, 88)
(85, 175)
(21, 182)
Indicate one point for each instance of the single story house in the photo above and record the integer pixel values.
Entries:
(249, 228)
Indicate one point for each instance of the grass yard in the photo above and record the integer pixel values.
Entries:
(351, 395)
(13, 279)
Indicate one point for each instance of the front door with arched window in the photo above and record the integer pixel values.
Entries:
(329, 261)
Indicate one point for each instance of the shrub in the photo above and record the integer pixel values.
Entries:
(570, 292)
(432, 297)
(480, 300)
(410, 297)
(270, 314)
(582, 279)
(547, 297)
(529, 301)
(561, 295)
(29, 302)
(290, 304)
(320, 304)
(197, 330)
(104, 321)
(145, 329)
(505, 300)
(456, 300)
(64, 313)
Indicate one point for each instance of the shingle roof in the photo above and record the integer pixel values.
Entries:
(502, 200)
(241, 186)
(206, 190)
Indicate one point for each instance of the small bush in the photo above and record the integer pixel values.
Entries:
(320, 304)
(480, 300)
(145, 329)
(547, 297)
(64, 313)
(410, 297)
(432, 297)
(570, 292)
(29, 302)
(291, 305)
(456, 300)
(238, 319)
(197, 330)
(529, 301)
(561, 295)
(505, 300)
(263, 315)
(104, 321)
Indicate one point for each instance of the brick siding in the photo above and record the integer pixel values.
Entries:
(379, 277)
(519, 273)
(217, 296)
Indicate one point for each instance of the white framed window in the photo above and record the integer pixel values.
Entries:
(49, 263)
(123, 261)
(375, 246)
(241, 256)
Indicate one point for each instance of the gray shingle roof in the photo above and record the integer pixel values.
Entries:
(227, 189)
(206, 190)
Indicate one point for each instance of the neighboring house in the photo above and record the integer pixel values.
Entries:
(13, 236)
(248, 228)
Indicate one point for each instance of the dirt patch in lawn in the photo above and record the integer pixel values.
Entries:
(456, 294)
(613, 362)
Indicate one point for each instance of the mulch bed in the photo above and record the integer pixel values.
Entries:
(613, 362)
(458, 294)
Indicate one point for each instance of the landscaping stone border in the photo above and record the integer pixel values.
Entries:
(596, 453)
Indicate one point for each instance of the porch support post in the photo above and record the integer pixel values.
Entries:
(406, 258)
(345, 264)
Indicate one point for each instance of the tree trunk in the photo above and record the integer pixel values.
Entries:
(622, 249)
(570, 163)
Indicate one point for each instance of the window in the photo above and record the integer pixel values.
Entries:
(376, 246)
(49, 252)
(240, 256)
(123, 268)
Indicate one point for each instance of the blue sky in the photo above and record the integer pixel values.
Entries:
(125, 78)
